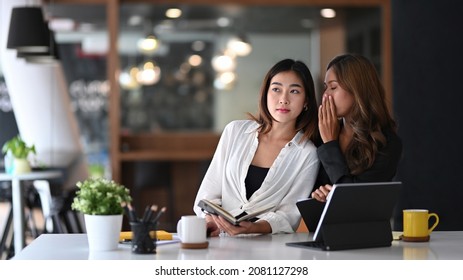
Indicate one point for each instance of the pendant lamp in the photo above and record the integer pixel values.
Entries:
(48, 57)
(28, 31)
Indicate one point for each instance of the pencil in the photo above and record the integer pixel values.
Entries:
(151, 210)
(163, 209)
(132, 215)
(146, 214)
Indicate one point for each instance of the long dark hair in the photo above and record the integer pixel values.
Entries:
(370, 117)
(307, 121)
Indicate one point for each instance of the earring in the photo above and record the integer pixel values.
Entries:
(306, 108)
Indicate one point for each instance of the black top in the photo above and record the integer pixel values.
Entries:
(254, 179)
(334, 169)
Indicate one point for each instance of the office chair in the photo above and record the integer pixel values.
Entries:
(50, 208)
(6, 240)
(57, 212)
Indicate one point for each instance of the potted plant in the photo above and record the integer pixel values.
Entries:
(101, 201)
(16, 152)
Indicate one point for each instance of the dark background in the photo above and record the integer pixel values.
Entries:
(8, 127)
(428, 97)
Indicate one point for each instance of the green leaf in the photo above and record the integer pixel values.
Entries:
(18, 148)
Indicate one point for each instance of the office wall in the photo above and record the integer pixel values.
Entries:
(427, 74)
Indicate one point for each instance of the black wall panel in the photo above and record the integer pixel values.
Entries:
(428, 103)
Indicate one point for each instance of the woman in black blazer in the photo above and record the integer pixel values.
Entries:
(359, 142)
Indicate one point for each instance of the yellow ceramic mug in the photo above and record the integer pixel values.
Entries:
(416, 224)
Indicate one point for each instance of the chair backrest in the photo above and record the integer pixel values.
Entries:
(43, 189)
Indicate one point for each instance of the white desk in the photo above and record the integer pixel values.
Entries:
(18, 201)
(443, 245)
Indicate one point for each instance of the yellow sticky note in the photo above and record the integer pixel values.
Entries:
(163, 235)
(160, 235)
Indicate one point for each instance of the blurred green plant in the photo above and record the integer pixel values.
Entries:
(18, 148)
(96, 170)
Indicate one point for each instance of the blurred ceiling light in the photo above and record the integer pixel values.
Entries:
(135, 20)
(61, 24)
(195, 60)
(227, 77)
(149, 73)
(223, 22)
(240, 45)
(173, 13)
(148, 45)
(328, 13)
(198, 46)
(225, 80)
(128, 78)
(184, 68)
(223, 63)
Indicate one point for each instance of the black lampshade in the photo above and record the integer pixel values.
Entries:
(28, 31)
(47, 57)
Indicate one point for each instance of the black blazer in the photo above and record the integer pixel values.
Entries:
(333, 166)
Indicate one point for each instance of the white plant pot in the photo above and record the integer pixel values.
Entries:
(103, 231)
(21, 166)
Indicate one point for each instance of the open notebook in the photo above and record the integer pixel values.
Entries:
(355, 215)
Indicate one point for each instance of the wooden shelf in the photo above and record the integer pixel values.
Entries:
(192, 155)
(173, 146)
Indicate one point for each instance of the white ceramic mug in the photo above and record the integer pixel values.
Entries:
(192, 229)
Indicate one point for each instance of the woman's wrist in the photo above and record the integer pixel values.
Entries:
(260, 226)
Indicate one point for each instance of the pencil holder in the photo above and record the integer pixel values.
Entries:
(142, 242)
